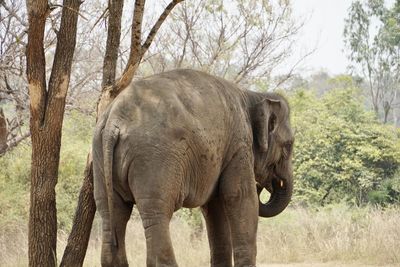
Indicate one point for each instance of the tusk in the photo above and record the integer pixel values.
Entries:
(281, 183)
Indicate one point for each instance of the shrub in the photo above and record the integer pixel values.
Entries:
(342, 152)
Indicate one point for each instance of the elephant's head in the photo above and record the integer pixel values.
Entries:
(273, 143)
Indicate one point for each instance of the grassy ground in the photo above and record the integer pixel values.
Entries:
(335, 236)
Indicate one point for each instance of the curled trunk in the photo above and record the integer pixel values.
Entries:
(282, 189)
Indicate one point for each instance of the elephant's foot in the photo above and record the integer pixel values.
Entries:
(112, 257)
(225, 264)
(159, 248)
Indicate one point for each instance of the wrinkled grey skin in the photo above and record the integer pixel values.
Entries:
(188, 139)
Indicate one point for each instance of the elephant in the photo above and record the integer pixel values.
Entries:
(185, 138)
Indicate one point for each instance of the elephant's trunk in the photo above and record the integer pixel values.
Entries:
(282, 188)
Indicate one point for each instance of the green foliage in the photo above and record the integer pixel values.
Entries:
(342, 153)
(76, 143)
(15, 173)
(14, 184)
(193, 217)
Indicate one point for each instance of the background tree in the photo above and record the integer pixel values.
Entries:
(376, 54)
(343, 154)
(13, 94)
(242, 41)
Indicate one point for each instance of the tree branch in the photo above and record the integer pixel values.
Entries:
(113, 40)
(138, 51)
(14, 142)
(36, 62)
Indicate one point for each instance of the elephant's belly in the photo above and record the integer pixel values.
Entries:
(200, 189)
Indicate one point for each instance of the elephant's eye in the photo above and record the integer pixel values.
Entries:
(271, 123)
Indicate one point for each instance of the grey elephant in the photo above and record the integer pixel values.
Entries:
(188, 139)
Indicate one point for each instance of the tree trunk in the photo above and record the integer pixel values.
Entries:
(43, 213)
(78, 240)
(395, 119)
(47, 112)
(3, 132)
(386, 110)
(113, 40)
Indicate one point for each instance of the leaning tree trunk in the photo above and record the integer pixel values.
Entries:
(78, 239)
(75, 251)
(47, 112)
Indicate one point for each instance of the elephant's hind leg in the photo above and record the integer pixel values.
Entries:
(112, 255)
(156, 215)
(219, 236)
(123, 212)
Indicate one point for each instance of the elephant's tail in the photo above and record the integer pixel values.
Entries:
(110, 138)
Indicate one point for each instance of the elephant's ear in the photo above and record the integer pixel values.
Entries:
(264, 121)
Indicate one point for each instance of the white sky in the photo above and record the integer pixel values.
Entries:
(324, 30)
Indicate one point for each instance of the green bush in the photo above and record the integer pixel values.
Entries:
(14, 184)
(15, 173)
(342, 153)
(76, 143)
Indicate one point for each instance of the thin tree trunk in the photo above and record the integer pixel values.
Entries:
(78, 240)
(3, 132)
(395, 118)
(113, 40)
(386, 110)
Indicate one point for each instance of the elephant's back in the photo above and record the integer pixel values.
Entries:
(178, 99)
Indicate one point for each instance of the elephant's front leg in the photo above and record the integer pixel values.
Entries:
(219, 236)
(238, 190)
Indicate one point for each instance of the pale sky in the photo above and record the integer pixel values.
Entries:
(324, 30)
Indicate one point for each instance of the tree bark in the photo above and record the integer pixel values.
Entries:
(78, 240)
(113, 40)
(47, 112)
(3, 132)
(386, 110)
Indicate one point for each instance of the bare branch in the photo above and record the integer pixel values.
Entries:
(157, 25)
(137, 52)
(103, 15)
(13, 13)
(53, 6)
(36, 64)
(14, 142)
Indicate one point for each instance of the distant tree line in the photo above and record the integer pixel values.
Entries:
(372, 37)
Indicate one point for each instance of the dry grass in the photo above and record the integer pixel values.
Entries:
(299, 237)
